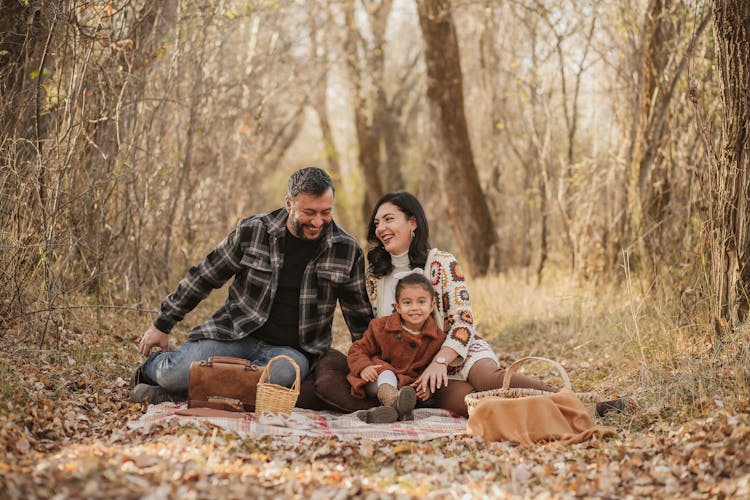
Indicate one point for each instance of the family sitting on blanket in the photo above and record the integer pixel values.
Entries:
(395, 351)
(290, 268)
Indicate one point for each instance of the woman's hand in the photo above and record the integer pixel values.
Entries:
(434, 377)
(370, 373)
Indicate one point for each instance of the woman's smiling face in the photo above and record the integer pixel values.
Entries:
(393, 228)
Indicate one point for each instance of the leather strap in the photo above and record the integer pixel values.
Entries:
(231, 361)
(220, 405)
(209, 412)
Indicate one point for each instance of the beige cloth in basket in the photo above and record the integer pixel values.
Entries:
(532, 419)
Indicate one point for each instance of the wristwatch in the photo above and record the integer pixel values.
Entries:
(440, 360)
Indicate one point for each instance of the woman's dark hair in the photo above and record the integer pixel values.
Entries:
(378, 257)
(414, 279)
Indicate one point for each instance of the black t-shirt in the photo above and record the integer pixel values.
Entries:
(282, 327)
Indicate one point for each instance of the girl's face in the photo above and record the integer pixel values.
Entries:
(414, 305)
(393, 228)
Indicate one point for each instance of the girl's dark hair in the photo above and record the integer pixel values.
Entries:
(378, 257)
(414, 279)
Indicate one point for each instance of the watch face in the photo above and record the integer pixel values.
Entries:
(440, 360)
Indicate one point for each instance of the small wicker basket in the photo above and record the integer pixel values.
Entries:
(273, 398)
(589, 399)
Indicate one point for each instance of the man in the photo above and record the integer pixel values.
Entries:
(290, 266)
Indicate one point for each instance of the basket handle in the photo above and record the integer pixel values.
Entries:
(231, 361)
(267, 371)
(518, 363)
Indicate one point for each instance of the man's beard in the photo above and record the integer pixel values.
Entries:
(298, 229)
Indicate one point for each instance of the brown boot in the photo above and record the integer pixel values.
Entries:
(619, 405)
(378, 415)
(153, 394)
(403, 400)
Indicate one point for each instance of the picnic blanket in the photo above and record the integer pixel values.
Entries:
(428, 424)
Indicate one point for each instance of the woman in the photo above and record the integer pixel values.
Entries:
(399, 235)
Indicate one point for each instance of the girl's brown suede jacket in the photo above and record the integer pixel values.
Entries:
(386, 343)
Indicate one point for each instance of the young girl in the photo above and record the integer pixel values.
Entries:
(395, 350)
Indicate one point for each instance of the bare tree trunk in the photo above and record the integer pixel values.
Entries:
(393, 141)
(331, 151)
(489, 62)
(156, 20)
(536, 160)
(319, 51)
(543, 187)
(467, 207)
(730, 245)
(650, 184)
(21, 38)
(570, 104)
(647, 144)
(643, 193)
(368, 113)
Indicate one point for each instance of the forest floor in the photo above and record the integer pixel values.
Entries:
(64, 414)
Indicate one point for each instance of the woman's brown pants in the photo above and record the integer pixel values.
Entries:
(483, 376)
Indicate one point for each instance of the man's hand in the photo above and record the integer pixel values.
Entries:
(434, 377)
(370, 373)
(152, 338)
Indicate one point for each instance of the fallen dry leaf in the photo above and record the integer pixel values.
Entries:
(63, 434)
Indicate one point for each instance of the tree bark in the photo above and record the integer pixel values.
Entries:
(730, 246)
(26, 29)
(467, 208)
(649, 184)
(649, 188)
(367, 105)
(22, 34)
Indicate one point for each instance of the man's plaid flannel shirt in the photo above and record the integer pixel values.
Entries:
(251, 254)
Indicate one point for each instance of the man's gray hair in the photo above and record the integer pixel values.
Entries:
(309, 180)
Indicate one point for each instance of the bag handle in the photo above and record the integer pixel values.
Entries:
(518, 363)
(267, 371)
(230, 361)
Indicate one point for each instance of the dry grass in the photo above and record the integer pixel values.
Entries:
(63, 412)
(617, 342)
(610, 340)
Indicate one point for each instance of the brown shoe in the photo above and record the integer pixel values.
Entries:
(407, 400)
(378, 415)
(152, 394)
(618, 405)
(403, 400)
(387, 395)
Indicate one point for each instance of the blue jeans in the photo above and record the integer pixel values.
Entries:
(171, 370)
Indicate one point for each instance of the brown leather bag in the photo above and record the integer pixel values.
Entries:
(223, 383)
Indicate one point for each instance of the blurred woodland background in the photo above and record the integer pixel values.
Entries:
(607, 140)
(587, 160)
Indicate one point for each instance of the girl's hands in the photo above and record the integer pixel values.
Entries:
(422, 395)
(370, 373)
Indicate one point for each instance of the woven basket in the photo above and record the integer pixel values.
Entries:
(588, 399)
(273, 398)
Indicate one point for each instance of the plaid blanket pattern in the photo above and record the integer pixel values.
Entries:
(427, 424)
